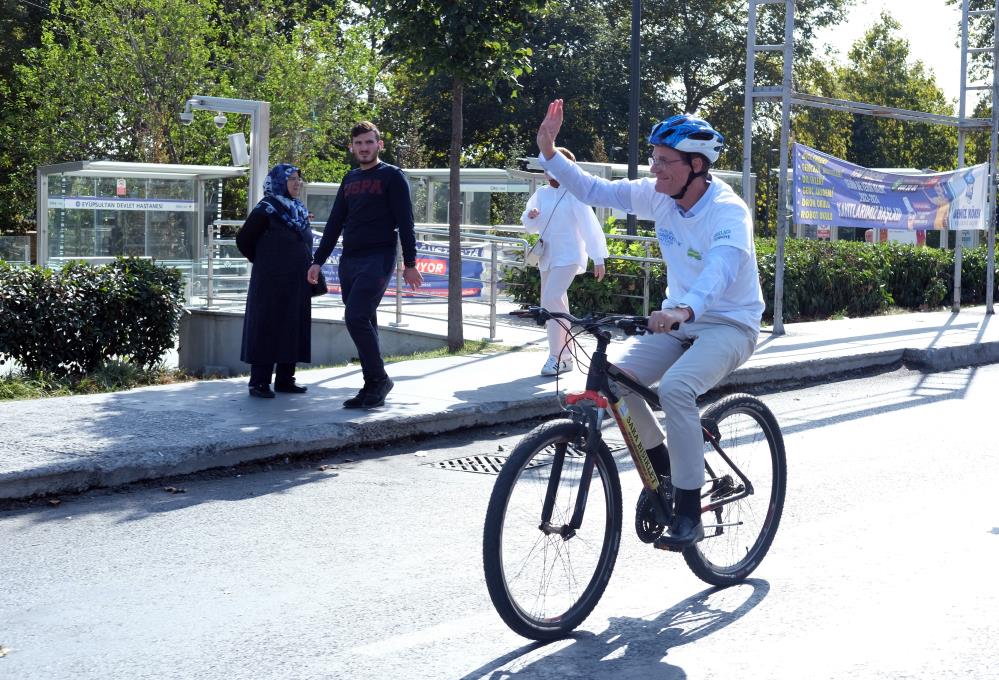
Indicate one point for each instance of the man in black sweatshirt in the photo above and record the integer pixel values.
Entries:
(372, 209)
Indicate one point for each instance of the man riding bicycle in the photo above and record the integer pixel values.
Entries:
(705, 233)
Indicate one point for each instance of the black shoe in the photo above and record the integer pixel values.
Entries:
(372, 395)
(290, 388)
(683, 533)
(262, 391)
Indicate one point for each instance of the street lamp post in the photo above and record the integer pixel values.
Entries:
(260, 124)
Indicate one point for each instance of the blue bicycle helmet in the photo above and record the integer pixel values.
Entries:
(688, 134)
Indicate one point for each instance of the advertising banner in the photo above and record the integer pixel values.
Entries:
(431, 261)
(830, 192)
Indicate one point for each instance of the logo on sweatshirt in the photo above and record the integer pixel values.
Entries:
(693, 253)
(667, 238)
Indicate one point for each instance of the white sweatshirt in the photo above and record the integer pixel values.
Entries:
(572, 234)
(709, 252)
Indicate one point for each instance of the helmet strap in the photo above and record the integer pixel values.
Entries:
(690, 178)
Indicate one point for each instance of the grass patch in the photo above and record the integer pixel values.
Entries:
(471, 347)
(112, 377)
(119, 376)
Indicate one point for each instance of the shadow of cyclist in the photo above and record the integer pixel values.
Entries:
(631, 647)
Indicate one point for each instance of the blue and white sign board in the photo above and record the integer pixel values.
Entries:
(831, 192)
(141, 204)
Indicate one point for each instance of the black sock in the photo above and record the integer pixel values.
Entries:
(659, 457)
(688, 503)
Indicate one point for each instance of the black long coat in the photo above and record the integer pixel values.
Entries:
(278, 322)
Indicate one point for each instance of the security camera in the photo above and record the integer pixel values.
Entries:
(220, 120)
(186, 117)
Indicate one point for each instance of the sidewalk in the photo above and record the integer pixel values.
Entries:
(72, 443)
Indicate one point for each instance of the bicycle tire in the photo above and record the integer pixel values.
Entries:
(543, 585)
(745, 528)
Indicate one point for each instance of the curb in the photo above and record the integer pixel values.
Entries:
(109, 470)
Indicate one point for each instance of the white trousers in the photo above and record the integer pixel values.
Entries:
(683, 375)
(555, 283)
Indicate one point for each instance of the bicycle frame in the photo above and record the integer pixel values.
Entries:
(586, 408)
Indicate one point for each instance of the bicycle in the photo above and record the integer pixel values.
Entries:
(546, 568)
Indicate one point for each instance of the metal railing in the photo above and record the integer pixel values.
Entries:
(504, 251)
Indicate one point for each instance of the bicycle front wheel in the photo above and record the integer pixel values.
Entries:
(738, 533)
(545, 578)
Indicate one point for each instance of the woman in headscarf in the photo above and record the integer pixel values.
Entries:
(277, 239)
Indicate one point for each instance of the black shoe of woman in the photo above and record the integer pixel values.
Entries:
(262, 391)
(290, 388)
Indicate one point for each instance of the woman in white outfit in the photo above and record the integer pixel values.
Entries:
(572, 234)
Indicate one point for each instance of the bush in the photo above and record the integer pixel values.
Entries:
(821, 279)
(75, 320)
(619, 292)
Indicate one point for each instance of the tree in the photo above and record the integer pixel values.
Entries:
(109, 79)
(467, 42)
(880, 72)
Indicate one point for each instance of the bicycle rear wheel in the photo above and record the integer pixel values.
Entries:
(544, 583)
(738, 534)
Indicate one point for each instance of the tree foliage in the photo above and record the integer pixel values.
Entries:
(108, 80)
(469, 42)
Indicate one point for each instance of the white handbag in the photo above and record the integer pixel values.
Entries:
(532, 258)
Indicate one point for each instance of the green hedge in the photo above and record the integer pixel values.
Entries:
(74, 320)
(821, 279)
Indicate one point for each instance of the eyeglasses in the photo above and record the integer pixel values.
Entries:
(653, 162)
(296, 179)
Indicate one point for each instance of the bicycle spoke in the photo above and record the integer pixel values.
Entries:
(541, 581)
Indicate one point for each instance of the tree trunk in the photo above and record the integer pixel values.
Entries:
(455, 338)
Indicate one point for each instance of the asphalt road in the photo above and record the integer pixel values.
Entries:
(367, 564)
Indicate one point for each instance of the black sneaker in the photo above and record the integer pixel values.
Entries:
(372, 395)
(683, 533)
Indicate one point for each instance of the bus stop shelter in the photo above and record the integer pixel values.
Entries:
(98, 210)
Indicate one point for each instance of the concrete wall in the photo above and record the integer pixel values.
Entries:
(212, 339)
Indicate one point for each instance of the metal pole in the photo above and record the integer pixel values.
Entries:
(990, 267)
(962, 108)
(492, 293)
(211, 263)
(636, 62)
(42, 218)
(647, 275)
(747, 116)
(785, 127)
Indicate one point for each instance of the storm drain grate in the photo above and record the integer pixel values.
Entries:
(488, 465)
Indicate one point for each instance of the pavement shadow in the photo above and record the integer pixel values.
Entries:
(140, 500)
(930, 388)
(631, 647)
(774, 345)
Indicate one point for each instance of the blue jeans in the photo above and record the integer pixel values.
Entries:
(363, 281)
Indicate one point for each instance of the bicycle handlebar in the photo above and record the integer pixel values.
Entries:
(630, 324)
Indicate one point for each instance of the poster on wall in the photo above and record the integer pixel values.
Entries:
(831, 192)
(431, 261)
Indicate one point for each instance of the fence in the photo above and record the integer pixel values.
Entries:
(226, 273)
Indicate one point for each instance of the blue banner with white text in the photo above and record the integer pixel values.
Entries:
(831, 192)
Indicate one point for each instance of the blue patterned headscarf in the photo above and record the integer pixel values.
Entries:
(277, 200)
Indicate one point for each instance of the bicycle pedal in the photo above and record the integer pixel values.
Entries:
(659, 545)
